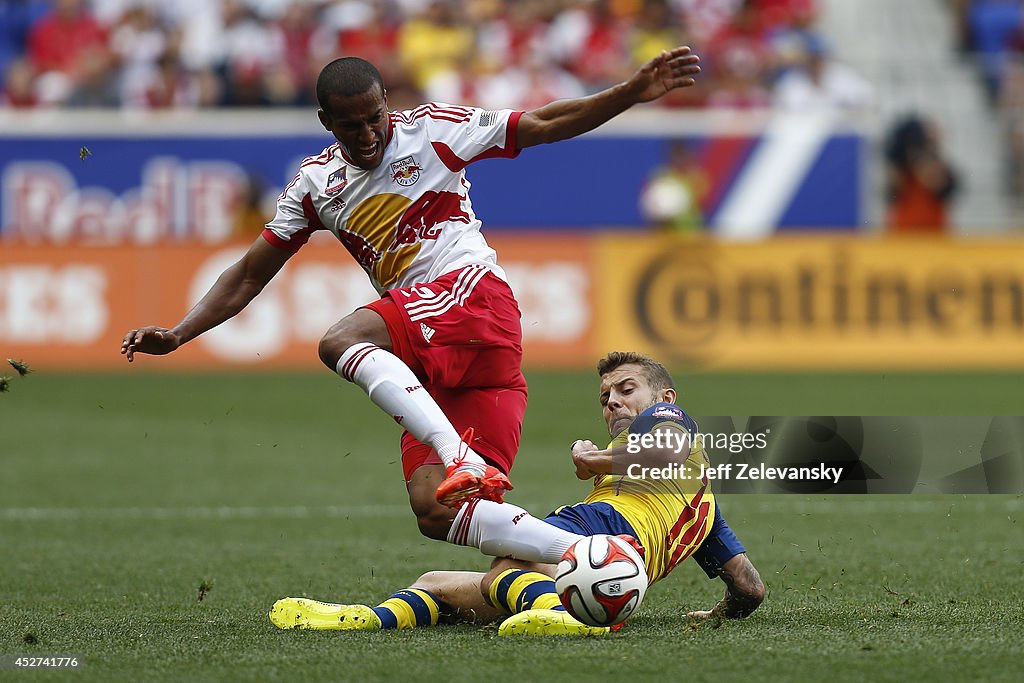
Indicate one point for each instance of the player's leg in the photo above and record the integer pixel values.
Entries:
(506, 530)
(516, 586)
(498, 412)
(434, 597)
(461, 334)
(359, 348)
(528, 592)
(460, 592)
(434, 520)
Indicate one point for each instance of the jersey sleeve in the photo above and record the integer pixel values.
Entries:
(295, 219)
(660, 414)
(477, 134)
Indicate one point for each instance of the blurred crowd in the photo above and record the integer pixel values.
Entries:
(994, 31)
(495, 53)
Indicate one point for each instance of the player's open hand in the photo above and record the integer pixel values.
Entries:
(670, 70)
(152, 340)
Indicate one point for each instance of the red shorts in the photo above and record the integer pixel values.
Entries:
(461, 336)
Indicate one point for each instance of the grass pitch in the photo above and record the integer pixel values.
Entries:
(148, 522)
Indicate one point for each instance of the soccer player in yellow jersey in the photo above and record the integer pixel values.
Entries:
(648, 485)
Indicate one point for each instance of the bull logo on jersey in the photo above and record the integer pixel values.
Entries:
(336, 182)
(385, 232)
(405, 171)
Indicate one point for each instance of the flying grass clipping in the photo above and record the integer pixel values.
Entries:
(22, 369)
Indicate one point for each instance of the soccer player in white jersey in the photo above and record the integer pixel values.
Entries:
(440, 351)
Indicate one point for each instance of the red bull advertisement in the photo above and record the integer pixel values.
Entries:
(198, 179)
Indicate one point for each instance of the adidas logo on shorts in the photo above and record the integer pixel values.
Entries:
(428, 332)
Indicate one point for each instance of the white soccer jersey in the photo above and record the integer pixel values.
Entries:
(410, 219)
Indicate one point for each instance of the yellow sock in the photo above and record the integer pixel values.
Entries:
(516, 590)
(408, 609)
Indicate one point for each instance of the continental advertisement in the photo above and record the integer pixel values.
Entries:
(814, 303)
(802, 303)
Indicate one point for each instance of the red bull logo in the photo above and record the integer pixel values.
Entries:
(405, 171)
(360, 248)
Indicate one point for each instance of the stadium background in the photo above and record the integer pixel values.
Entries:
(740, 231)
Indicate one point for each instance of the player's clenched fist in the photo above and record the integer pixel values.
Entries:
(582, 450)
(152, 340)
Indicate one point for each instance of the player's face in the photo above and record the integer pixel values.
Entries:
(625, 393)
(360, 125)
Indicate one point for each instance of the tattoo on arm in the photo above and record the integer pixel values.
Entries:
(744, 590)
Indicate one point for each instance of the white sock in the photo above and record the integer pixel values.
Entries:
(395, 389)
(505, 530)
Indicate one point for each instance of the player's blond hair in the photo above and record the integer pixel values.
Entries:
(656, 373)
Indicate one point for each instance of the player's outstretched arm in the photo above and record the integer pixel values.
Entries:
(234, 289)
(565, 119)
(744, 591)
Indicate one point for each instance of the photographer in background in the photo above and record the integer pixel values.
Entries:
(920, 183)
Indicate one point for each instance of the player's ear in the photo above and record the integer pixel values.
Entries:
(668, 396)
(325, 120)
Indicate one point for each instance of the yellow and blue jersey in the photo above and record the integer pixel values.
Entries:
(671, 516)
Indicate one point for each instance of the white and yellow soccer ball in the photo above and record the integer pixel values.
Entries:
(601, 580)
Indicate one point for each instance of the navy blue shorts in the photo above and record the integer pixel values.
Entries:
(720, 546)
(588, 519)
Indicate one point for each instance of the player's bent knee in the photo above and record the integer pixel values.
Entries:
(332, 345)
(435, 523)
(430, 580)
(499, 565)
(362, 325)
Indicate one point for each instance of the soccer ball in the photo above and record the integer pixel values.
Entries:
(601, 580)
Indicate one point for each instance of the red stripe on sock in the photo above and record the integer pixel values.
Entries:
(348, 370)
(462, 533)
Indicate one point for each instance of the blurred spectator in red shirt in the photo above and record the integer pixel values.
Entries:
(59, 45)
(515, 33)
(739, 83)
(591, 42)
(288, 81)
(19, 80)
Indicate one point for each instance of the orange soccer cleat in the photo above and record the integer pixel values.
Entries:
(467, 480)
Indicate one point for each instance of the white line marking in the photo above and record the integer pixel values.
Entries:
(738, 503)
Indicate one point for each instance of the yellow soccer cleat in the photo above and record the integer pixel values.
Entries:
(322, 616)
(547, 622)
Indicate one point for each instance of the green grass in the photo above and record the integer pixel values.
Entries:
(121, 494)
